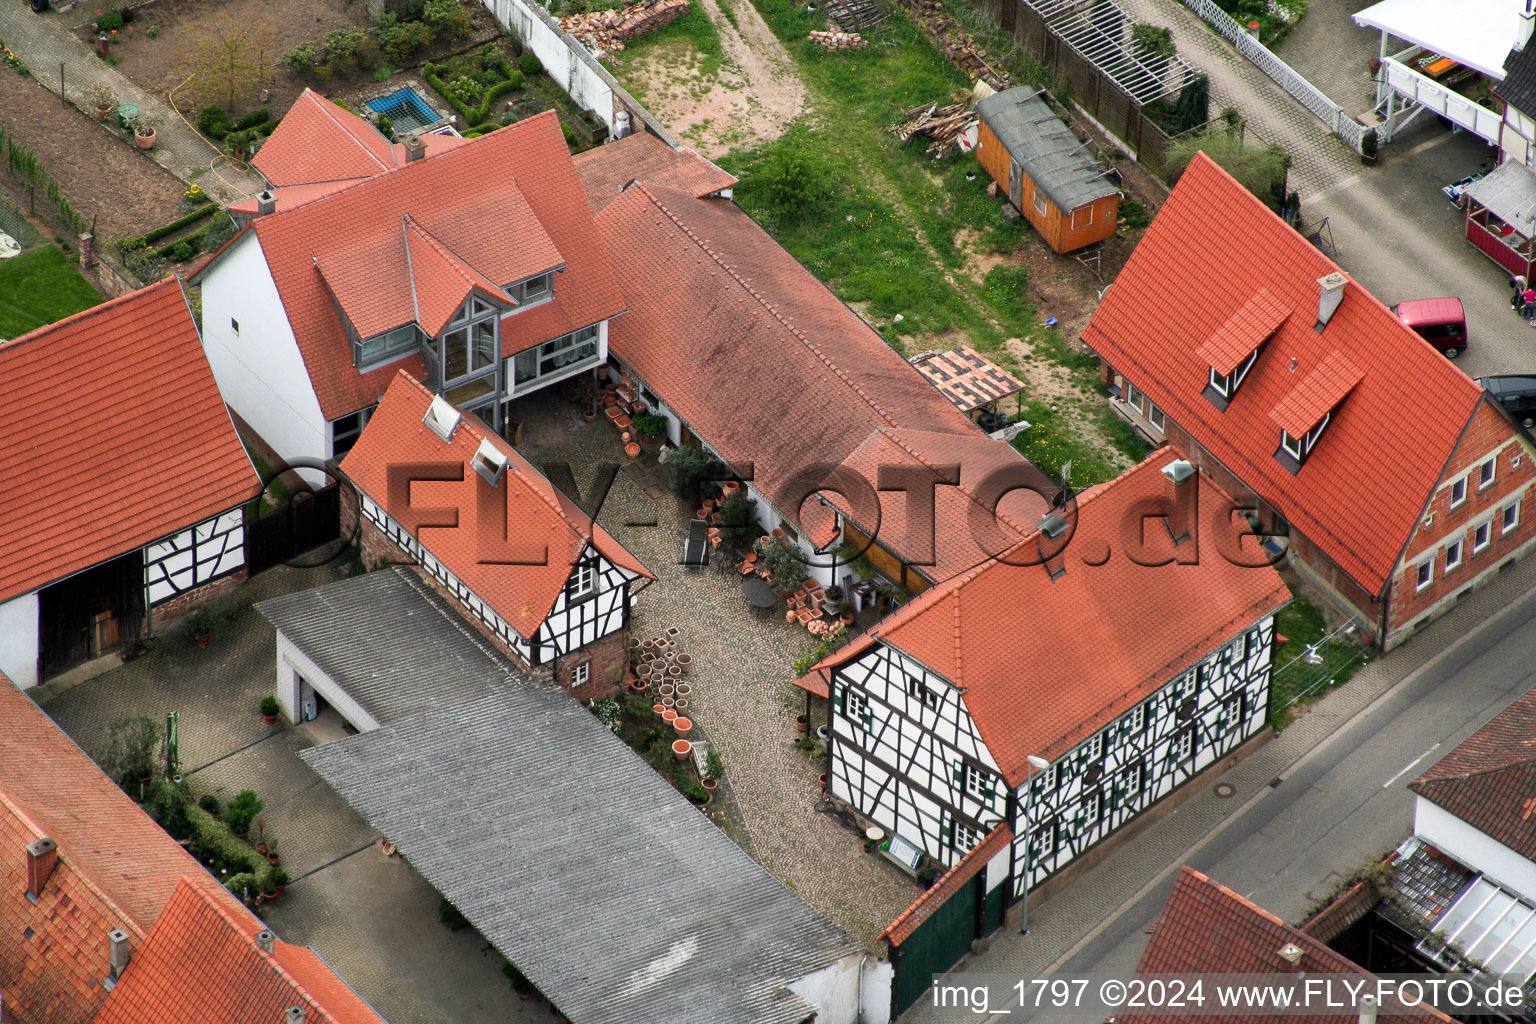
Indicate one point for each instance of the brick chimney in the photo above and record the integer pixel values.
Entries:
(1292, 954)
(42, 858)
(1183, 493)
(118, 960)
(266, 203)
(1330, 292)
(415, 149)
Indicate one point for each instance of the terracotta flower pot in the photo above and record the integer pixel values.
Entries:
(202, 639)
(682, 725)
(683, 690)
(821, 780)
(269, 719)
(103, 114)
(272, 858)
(801, 723)
(684, 660)
(636, 686)
(632, 450)
(261, 848)
(657, 709)
(144, 141)
(681, 749)
(681, 703)
(667, 691)
(711, 783)
(668, 715)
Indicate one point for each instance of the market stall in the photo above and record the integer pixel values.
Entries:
(1500, 209)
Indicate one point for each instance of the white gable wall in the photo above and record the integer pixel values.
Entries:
(18, 640)
(259, 370)
(1473, 847)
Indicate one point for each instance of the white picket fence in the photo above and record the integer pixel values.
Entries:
(1261, 57)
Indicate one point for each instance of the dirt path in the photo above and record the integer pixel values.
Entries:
(754, 97)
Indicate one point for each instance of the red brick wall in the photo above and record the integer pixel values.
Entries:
(1488, 433)
(607, 662)
(170, 610)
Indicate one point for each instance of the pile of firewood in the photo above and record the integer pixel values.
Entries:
(956, 44)
(944, 125)
(838, 40)
(608, 31)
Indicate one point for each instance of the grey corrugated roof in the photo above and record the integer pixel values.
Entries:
(1050, 154)
(391, 643)
(1509, 191)
(1518, 88)
(581, 865)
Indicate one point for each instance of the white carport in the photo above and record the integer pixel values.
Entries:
(1475, 34)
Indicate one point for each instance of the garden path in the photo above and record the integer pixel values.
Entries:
(46, 45)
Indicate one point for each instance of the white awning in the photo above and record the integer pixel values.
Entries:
(1477, 33)
(1509, 193)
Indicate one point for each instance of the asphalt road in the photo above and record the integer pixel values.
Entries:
(1347, 800)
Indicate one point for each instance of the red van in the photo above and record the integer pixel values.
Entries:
(1440, 322)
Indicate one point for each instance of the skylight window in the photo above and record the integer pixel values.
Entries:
(489, 462)
(442, 418)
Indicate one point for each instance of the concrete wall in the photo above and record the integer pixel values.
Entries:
(292, 664)
(259, 369)
(855, 989)
(18, 640)
(1444, 831)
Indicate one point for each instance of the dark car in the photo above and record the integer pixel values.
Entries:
(1440, 322)
(1516, 393)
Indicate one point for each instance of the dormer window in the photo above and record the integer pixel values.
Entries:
(383, 348)
(489, 462)
(1232, 349)
(1304, 413)
(1225, 385)
(1298, 448)
(532, 291)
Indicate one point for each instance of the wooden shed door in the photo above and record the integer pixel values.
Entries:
(1016, 184)
(90, 613)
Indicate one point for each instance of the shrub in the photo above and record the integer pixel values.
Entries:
(473, 116)
(696, 474)
(609, 713)
(650, 425)
(151, 31)
(738, 517)
(795, 182)
(322, 73)
(715, 764)
(386, 127)
(341, 45)
(382, 72)
(302, 58)
(109, 22)
(169, 229)
(401, 39)
(368, 55)
(447, 17)
(278, 876)
(1135, 213)
(785, 564)
(250, 121)
(131, 749)
(245, 806)
(269, 705)
(451, 915)
(182, 251)
(210, 803)
(243, 886)
(167, 803)
(213, 122)
(101, 98)
(695, 792)
(528, 63)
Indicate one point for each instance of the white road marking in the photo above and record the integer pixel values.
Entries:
(1409, 766)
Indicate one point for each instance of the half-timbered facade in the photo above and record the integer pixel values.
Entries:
(937, 713)
(118, 521)
(438, 490)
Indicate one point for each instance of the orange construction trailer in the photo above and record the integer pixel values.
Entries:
(1047, 173)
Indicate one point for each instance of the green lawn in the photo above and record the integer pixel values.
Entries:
(890, 229)
(38, 288)
(1297, 682)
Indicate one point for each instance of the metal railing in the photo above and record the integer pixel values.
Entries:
(1283, 75)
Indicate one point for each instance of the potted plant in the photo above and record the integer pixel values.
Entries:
(144, 131)
(210, 803)
(1368, 143)
(272, 857)
(714, 769)
(241, 811)
(200, 621)
(279, 878)
(101, 99)
(259, 834)
(269, 709)
(269, 889)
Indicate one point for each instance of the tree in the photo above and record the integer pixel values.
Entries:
(696, 474)
(229, 58)
(1261, 170)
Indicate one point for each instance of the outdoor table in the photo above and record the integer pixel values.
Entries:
(758, 594)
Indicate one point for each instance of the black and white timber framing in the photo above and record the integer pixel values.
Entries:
(197, 555)
(594, 602)
(906, 754)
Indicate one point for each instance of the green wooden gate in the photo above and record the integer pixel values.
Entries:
(938, 943)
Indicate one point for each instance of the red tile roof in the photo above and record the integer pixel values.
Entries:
(605, 170)
(192, 953)
(544, 518)
(112, 435)
(1245, 331)
(1120, 625)
(780, 374)
(296, 195)
(1361, 491)
(1318, 394)
(201, 962)
(1206, 928)
(966, 868)
(352, 241)
(1489, 781)
(440, 281)
(319, 141)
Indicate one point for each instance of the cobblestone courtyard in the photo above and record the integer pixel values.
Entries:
(743, 696)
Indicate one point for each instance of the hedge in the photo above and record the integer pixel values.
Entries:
(164, 252)
(213, 836)
(174, 226)
(476, 116)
